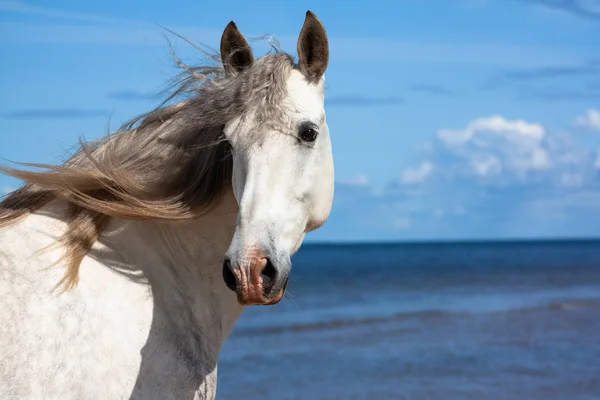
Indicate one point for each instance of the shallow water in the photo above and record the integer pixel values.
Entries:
(436, 321)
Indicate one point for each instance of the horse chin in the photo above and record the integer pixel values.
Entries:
(246, 301)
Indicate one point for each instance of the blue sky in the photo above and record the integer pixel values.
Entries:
(451, 119)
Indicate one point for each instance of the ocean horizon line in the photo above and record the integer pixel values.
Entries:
(428, 242)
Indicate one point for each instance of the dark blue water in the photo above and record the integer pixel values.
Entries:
(425, 321)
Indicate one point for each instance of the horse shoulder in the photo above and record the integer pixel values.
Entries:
(83, 343)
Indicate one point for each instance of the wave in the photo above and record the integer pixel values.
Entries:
(341, 323)
(565, 305)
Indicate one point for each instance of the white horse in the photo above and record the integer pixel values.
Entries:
(124, 270)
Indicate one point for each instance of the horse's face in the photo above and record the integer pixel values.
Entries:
(282, 171)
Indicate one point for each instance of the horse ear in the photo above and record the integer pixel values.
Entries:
(313, 47)
(236, 53)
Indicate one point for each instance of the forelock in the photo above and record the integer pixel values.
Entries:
(256, 96)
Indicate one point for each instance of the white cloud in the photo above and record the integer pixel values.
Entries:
(411, 176)
(590, 120)
(99, 29)
(487, 166)
(495, 150)
(360, 180)
(134, 34)
(493, 145)
(515, 130)
(22, 7)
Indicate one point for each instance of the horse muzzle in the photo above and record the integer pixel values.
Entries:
(257, 279)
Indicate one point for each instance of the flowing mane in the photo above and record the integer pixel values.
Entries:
(172, 163)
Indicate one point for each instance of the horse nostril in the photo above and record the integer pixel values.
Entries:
(269, 277)
(228, 275)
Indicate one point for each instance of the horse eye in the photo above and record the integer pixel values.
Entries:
(308, 134)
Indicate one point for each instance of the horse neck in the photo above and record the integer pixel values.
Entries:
(193, 310)
(182, 263)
